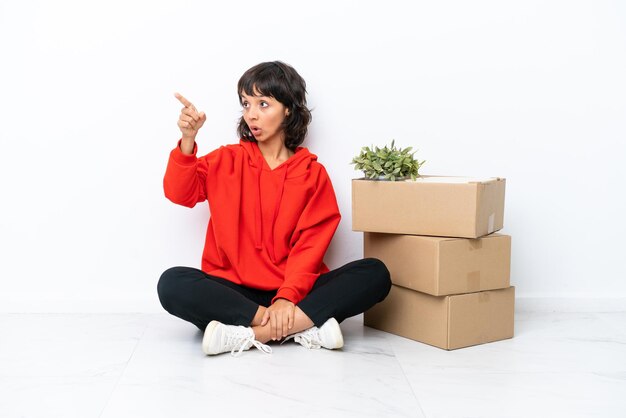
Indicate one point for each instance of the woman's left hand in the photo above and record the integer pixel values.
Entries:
(280, 316)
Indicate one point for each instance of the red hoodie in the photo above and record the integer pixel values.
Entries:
(269, 229)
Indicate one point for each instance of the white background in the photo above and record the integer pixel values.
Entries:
(533, 91)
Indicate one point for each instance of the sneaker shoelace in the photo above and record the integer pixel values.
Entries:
(309, 338)
(241, 340)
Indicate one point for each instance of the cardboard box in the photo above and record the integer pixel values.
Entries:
(443, 266)
(448, 322)
(431, 205)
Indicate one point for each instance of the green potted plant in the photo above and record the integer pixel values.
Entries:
(387, 163)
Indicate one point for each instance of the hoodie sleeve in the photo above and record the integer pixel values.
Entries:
(185, 177)
(310, 240)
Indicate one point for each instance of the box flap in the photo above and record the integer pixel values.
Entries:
(453, 179)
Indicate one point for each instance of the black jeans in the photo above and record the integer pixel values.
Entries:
(199, 298)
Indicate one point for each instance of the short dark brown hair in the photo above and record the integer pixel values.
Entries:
(282, 82)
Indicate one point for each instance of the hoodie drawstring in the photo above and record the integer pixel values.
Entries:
(258, 216)
(279, 197)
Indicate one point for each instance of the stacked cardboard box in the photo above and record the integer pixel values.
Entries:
(450, 271)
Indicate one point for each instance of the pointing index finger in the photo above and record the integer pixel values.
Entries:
(182, 99)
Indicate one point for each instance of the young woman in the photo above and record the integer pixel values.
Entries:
(273, 215)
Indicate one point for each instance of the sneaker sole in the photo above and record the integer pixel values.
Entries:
(208, 333)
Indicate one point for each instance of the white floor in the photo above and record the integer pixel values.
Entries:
(151, 365)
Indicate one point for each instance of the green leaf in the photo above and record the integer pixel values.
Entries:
(387, 161)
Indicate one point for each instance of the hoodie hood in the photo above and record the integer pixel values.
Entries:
(297, 165)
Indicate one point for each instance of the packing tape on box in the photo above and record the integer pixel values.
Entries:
(473, 281)
(491, 224)
(475, 244)
(483, 297)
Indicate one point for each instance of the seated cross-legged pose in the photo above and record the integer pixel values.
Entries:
(273, 215)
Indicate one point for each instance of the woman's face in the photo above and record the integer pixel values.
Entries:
(264, 116)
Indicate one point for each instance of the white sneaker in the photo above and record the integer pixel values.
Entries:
(220, 338)
(328, 336)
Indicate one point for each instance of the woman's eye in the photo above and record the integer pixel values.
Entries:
(244, 104)
(264, 104)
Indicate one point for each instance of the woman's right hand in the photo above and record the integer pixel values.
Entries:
(190, 121)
